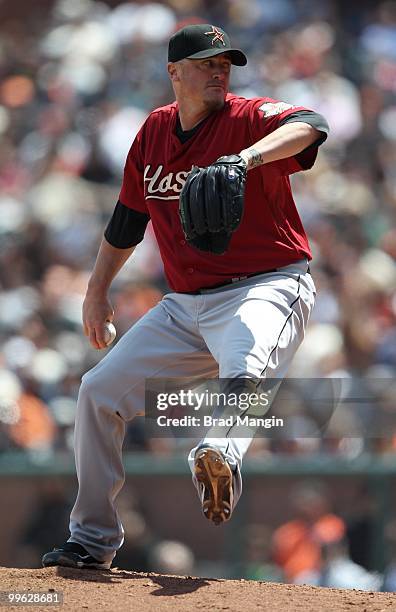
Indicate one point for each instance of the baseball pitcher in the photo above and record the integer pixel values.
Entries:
(211, 171)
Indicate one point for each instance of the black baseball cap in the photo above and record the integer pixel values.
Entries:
(201, 41)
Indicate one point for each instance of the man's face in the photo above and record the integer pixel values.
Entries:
(202, 81)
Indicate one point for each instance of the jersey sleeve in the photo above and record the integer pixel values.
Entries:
(126, 227)
(268, 115)
(132, 189)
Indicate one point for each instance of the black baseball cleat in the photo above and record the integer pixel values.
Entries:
(215, 479)
(72, 554)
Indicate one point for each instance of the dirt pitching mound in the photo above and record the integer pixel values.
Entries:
(120, 590)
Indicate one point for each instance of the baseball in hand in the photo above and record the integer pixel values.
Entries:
(109, 332)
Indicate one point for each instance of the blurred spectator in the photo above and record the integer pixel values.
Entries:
(77, 79)
(46, 524)
(340, 572)
(171, 557)
(139, 538)
(389, 583)
(257, 564)
(297, 545)
(35, 429)
(360, 534)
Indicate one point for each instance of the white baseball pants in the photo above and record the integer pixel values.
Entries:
(248, 329)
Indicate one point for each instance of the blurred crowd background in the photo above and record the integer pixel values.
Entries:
(77, 79)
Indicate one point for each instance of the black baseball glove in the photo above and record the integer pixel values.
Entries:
(211, 203)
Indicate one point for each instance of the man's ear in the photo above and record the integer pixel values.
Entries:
(173, 72)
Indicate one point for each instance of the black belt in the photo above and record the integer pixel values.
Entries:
(230, 281)
(235, 279)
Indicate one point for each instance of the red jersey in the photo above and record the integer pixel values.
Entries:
(270, 235)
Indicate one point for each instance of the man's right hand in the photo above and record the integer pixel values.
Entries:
(97, 309)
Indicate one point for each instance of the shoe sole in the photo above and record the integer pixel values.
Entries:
(53, 560)
(213, 471)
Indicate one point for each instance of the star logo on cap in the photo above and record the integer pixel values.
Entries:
(217, 35)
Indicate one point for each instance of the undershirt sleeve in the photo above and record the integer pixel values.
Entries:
(308, 155)
(126, 227)
(315, 119)
(271, 114)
